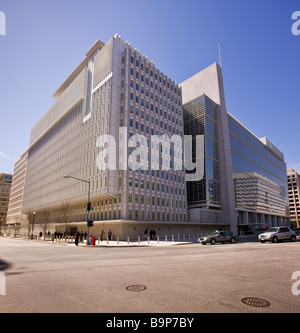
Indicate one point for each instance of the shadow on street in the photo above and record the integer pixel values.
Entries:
(4, 265)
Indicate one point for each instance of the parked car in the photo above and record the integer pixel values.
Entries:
(276, 234)
(219, 237)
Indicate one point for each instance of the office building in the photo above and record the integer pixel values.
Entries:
(101, 129)
(243, 187)
(14, 213)
(120, 129)
(5, 186)
(259, 177)
(293, 179)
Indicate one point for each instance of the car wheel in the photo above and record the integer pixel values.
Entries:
(203, 243)
(275, 239)
(213, 242)
(293, 238)
(232, 240)
(262, 241)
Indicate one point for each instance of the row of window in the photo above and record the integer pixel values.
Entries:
(158, 77)
(155, 216)
(155, 201)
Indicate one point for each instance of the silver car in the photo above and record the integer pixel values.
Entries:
(219, 236)
(276, 234)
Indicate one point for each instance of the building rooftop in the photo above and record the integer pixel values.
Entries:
(98, 45)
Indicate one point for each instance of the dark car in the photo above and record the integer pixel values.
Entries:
(219, 237)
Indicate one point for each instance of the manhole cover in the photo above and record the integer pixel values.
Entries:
(136, 288)
(256, 302)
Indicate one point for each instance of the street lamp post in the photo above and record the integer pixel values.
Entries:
(33, 217)
(89, 199)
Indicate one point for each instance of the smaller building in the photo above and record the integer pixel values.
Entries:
(14, 213)
(293, 179)
(5, 186)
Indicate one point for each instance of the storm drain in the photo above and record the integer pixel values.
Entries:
(256, 302)
(136, 288)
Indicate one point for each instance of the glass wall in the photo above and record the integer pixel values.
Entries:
(200, 118)
(259, 175)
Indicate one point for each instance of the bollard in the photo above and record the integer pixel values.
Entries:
(172, 238)
(157, 239)
(178, 238)
(148, 239)
(139, 239)
(127, 239)
(166, 238)
(118, 239)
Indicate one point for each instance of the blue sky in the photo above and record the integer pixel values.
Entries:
(46, 40)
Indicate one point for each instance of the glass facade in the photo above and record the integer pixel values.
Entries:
(200, 118)
(259, 175)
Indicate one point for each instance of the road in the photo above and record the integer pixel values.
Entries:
(42, 277)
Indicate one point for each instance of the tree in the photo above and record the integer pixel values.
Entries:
(45, 220)
(65, 215)
(28, 222)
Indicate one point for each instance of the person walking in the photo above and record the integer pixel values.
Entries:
(76, 239)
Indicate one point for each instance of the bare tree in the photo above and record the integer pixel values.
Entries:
(45, 220)
(16, 226)
(28, 222)
(65, 215)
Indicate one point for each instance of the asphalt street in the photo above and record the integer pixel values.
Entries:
(44, 277)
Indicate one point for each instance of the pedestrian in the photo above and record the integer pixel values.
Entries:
(109, 235)
(81, 236)
(76, 239)
(154, 234)
(101, 236)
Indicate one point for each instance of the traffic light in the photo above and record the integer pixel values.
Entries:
(89, 206)
(90, 224)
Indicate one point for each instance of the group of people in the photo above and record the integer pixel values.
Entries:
(79, 237)
(152, 233)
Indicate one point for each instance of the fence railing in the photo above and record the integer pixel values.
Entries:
(101, 240)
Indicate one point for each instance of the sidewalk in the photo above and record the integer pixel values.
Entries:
(135, 243)
(112, 243)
